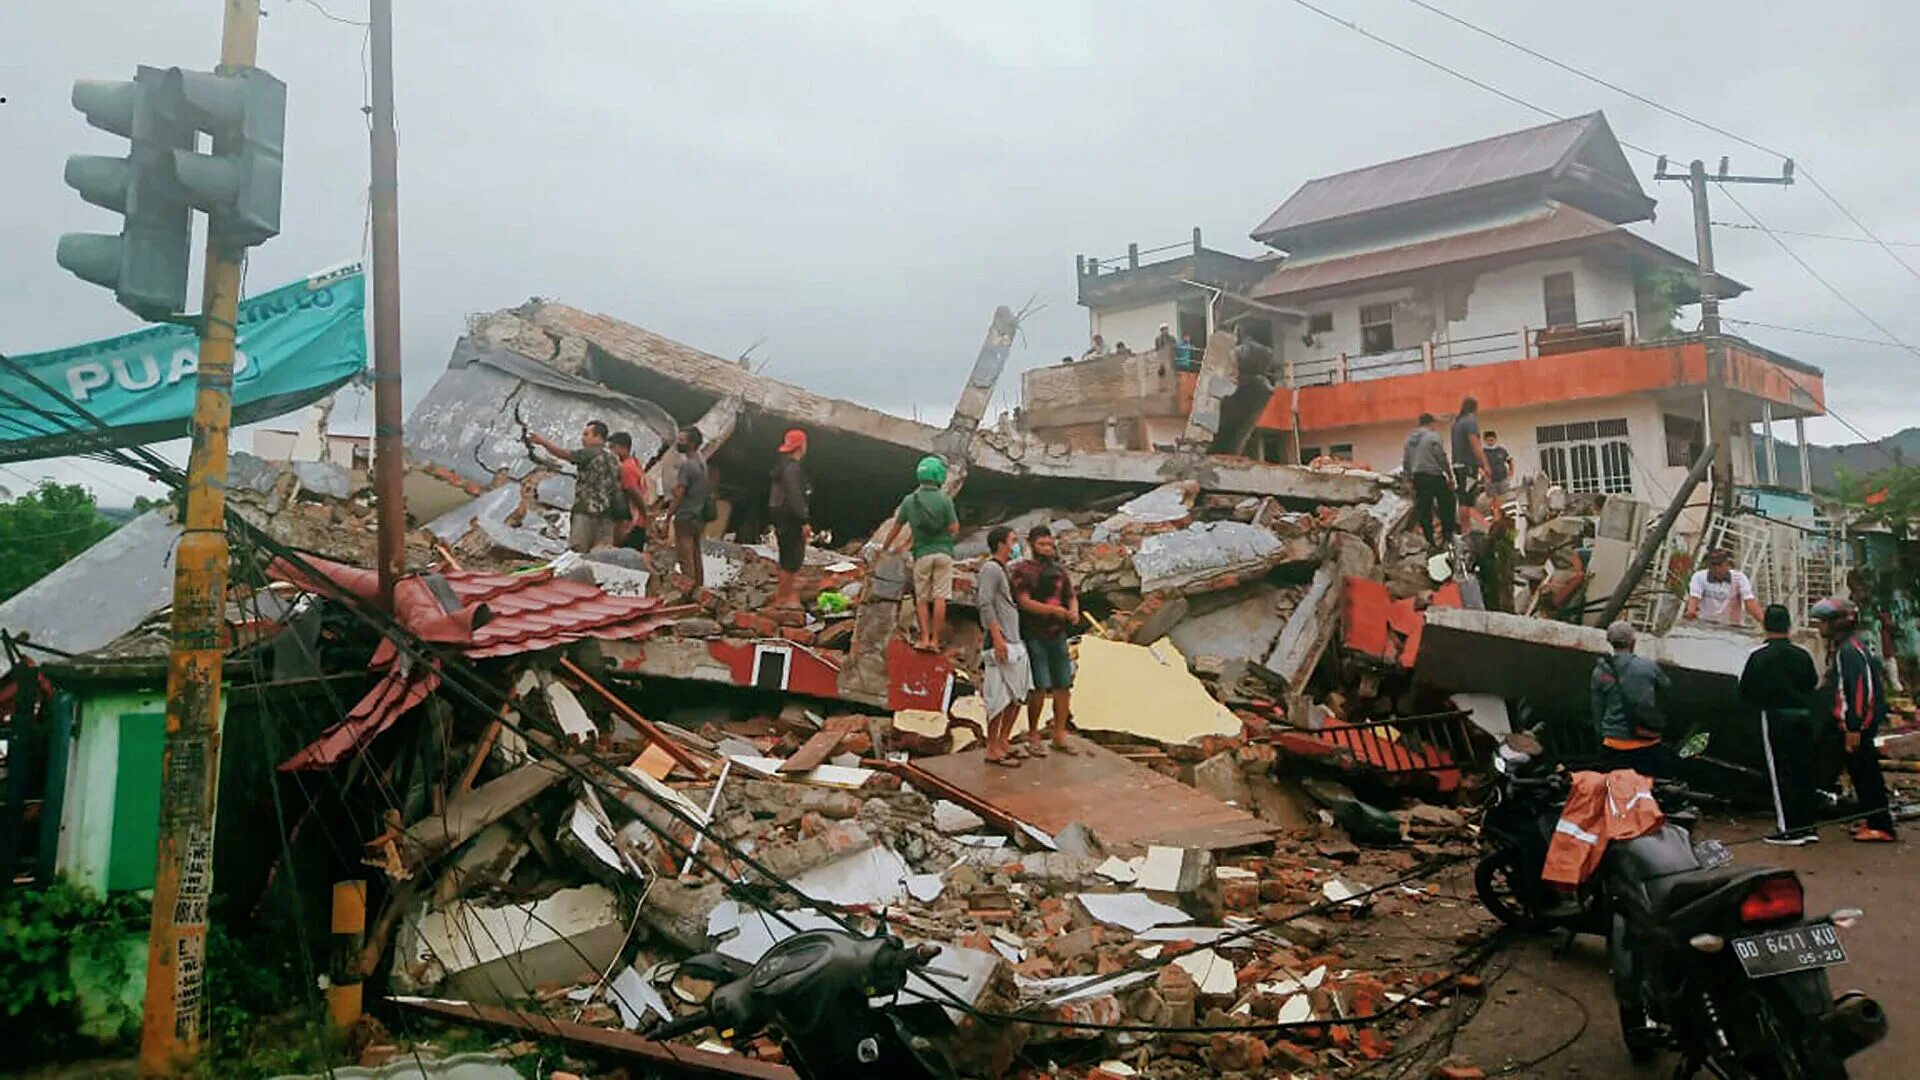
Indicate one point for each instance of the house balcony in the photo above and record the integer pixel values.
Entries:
(1529, 368)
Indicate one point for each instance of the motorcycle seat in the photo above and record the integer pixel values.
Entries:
(1675, 891)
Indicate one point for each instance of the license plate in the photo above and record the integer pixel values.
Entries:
(1799, 948)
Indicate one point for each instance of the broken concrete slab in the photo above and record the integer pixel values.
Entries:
(1310, 628)
(496, 953)
(1215, 554)
(1145, 690)
(1134, 912)
(1228, 625)
(1169, 506)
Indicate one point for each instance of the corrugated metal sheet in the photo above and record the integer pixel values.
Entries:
(1439, 172)
(100, 594)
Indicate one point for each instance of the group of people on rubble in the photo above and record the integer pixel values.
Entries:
(1796, 708)
(1443, 487)
(612, 502)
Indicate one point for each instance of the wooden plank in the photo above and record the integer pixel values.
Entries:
(1128, 806)
(665, 741)
(675, 1060)
(814, 752)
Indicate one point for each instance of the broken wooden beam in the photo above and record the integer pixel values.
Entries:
(677, 1060)
(632, 716)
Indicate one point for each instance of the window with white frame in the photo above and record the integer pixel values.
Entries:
(1591, 455)
(1376, 328)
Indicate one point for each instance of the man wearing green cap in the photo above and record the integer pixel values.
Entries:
(929, 513)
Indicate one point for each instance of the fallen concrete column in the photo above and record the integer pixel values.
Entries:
(1215, 555)
(955, 444)
(1219, 378)
(1312, 625)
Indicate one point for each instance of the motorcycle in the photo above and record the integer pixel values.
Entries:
(817, 988)
(1715, 961)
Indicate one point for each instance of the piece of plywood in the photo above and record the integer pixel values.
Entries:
(1144, 690)
(1130, 807)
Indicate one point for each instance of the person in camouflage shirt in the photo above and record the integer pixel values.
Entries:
(599, 506)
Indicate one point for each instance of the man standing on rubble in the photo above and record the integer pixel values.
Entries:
(598, 504)
(1854, 694)
(1779, 681)
(1721, 594)
(633, 484)
(1470, 465)
(688, 508)
(929, 512)
(1424, 460)
(1499, 463)
(1049, 612)
(787, 499)
(1627, 709)
(1005, 678)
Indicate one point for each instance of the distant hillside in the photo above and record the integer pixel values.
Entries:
(1856, 459)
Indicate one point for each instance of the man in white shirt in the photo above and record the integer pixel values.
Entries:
(1721, 594)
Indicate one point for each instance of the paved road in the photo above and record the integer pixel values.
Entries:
(1540, 1002)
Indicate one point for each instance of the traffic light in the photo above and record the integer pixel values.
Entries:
(164, 177)
(238, 185)
(146, 264)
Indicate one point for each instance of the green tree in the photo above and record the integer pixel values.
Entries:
(1890, 497)
(43, 529)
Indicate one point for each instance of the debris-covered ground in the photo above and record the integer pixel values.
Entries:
(565, 773)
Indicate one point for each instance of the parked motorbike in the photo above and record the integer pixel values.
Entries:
(1715, 961)
(817, 989)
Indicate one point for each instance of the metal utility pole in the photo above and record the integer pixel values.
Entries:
(1718, 424)
(170, 1032)
(388, 453)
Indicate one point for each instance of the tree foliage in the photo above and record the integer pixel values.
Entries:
(1890, 497)
(43, 529)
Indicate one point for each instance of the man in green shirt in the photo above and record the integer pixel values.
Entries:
(929, 512)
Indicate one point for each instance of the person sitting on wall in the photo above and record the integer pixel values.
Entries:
(1096, 350)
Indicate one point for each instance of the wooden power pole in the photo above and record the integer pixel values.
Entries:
(1718, 425)
(171, 1030)
(389, 461)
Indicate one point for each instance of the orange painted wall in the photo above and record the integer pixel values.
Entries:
(1541, 380)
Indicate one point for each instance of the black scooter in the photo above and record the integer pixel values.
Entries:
(1715, 961)
(816, 988)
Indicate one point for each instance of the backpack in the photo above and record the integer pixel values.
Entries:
(1653, 720)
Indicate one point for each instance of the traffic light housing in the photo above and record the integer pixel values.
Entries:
(164, 177)
(146, 264)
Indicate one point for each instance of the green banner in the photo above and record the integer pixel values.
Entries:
(296, 345)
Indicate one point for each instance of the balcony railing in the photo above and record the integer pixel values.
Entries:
(1519, 344)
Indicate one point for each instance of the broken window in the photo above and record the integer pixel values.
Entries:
(1588, 456)
(1558, 289)
(1376, 328)
(1685, 440)
(1319, 324)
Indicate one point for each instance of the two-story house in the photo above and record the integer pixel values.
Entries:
(1500, 269)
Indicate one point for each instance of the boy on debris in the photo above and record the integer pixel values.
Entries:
(1005, 678)
(929, 512)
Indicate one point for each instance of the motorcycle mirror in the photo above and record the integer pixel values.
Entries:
(1499, 764)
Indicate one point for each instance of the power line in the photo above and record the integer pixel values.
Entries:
(1816, 333)
(1810, 235)
(342, 20)
(1805, 174)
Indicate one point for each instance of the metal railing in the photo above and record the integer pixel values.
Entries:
(1435, 742)
(1522, 343)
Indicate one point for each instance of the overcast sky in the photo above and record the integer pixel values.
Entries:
(860, 182)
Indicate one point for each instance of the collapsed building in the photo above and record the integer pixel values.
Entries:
(558, 779)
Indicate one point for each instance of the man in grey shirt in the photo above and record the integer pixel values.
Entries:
(688, 508)
(1005, 677)
(1424, 460)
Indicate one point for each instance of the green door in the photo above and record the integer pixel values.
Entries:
(136, 801)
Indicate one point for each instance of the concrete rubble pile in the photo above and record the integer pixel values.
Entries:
(1260, 743)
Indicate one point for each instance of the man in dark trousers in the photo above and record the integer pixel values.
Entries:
(787, 499)
(1779, 681)
(1424, 460)
(1470, 465)
(1854, 694)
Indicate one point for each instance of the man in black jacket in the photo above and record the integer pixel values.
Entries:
(1779, 681)
(787, 498)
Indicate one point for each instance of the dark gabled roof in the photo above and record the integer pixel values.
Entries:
(1581, 151)
(1556, 228)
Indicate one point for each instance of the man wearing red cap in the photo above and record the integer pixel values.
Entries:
(787, 496)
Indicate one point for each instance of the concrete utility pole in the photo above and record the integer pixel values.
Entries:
(1719, 420)
(389, 454)
(171, 1030)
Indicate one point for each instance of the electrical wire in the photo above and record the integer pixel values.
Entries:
(342, 20)
(1811, 235)
(1868, 234)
